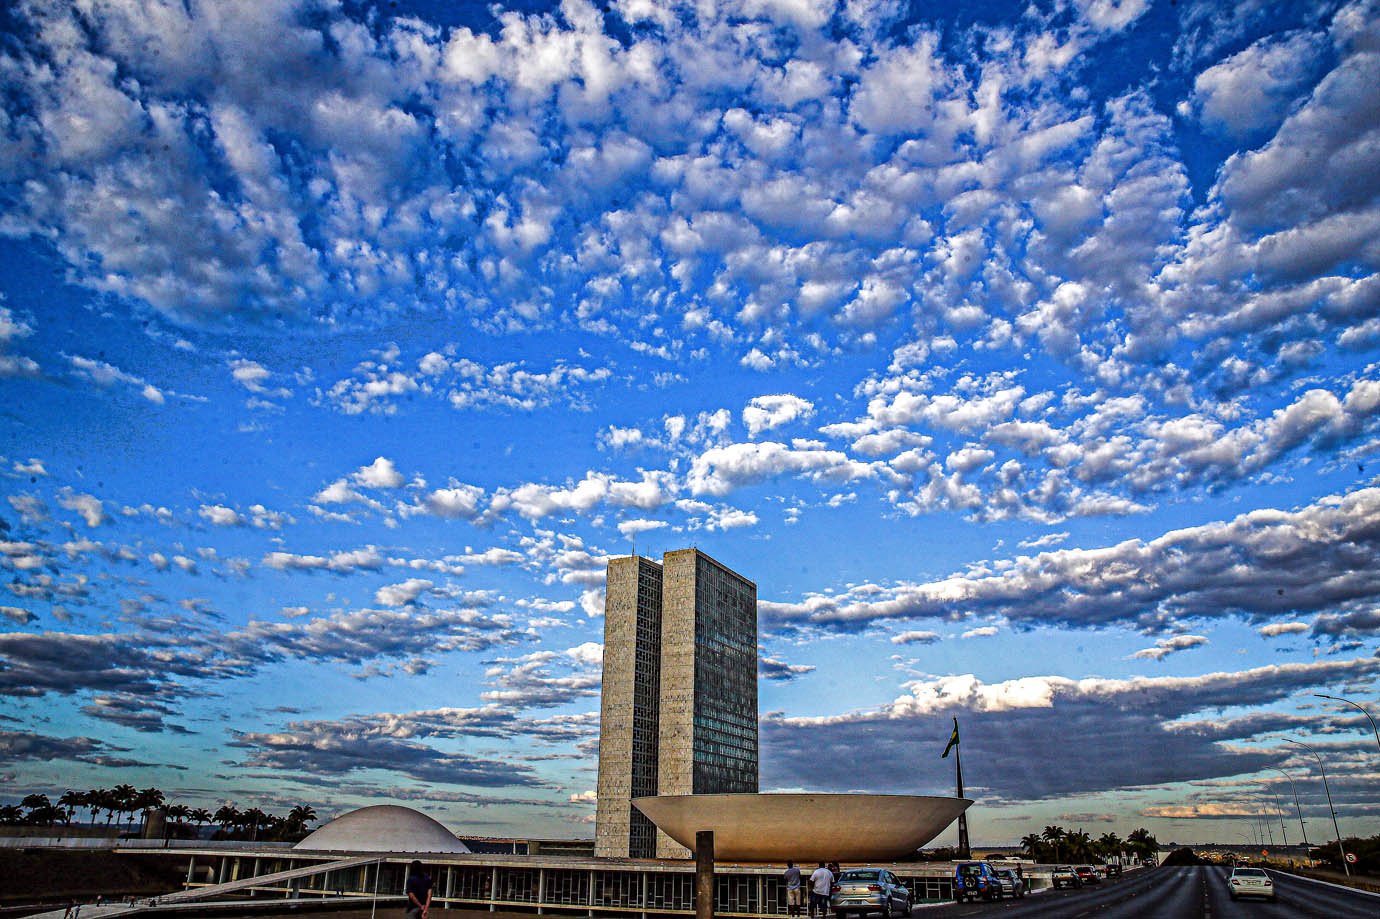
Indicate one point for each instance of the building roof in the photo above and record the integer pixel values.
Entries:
(804, 827)
(383, 828)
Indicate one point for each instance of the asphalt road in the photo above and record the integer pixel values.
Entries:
(1174, 893)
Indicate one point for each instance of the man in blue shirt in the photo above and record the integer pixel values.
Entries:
(794, 892)
(418, 891)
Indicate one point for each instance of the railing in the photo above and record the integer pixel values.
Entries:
(105, 842)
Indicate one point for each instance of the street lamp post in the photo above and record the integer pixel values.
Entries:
(1355, 705)
(1279, 812)
(1340, 848)
(1297, 809)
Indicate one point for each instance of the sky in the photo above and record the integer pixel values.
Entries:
(1024, 355)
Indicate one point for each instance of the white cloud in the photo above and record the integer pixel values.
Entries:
(1167, 646)
(1112, 14)
(381, 473)
(107, 375)
(221, 516)
(254, 377)
(91, 509)
(343, 562)
(1275, 629)
(721, 470)
(11, 328)
(763, 413)
(916, 637)
(1253, 89)
(986, 631)
(535, 501)
(633, 527)
(456, 502)
(402, 594)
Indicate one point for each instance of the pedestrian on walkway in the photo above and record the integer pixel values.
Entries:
(821, 883)
(418, 891)
(794, 891)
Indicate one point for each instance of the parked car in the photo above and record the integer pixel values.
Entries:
(869, 890)
(1012, 884)
(1064, 876)
(975, 879)
(1087, 874)
(1113, 870)
(1250, 882)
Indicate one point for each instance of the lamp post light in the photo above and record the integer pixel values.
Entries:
(1297, 809)
(1340, 848)
(1262, 820)
(1355, 705)
(1279, 812)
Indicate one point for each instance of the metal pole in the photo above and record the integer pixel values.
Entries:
(1279, 812)
(963, 849)
(1355, 705)
(1340, 848)
(378, 869)
(1297, 808)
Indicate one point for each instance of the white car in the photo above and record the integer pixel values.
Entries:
(1250, 882)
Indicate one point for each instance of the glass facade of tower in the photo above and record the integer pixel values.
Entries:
(679, 702)
(725, 719)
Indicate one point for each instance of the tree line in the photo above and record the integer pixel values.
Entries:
(127, 801)
(1057, 845)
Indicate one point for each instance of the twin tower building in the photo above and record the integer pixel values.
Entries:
(678, 714)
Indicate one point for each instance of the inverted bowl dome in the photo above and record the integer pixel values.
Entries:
(804, 827)
(383, 828)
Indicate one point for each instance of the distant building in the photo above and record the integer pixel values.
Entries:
(679, 706)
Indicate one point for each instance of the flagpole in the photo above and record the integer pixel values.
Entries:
(963, 850)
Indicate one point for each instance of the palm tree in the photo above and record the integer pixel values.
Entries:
(1080, 845)
(1054, 835)
(253, 819)
(200, 816)
(227, 816)
(146, 801)
(11, 814)
(70, 801)
(1143, 842)
(95, 799)
(1110, 844)
(123, 799)
(36, 802)
(1032, 844)
(179, 812)
(299, 817)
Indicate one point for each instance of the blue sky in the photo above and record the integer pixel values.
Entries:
(1024, 357)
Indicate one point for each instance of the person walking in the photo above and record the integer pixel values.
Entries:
(821, 883)
(418, 891)
(794, 891)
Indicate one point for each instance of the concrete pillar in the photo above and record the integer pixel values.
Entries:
(704, 874)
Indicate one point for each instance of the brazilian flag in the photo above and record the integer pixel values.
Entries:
(953, 741)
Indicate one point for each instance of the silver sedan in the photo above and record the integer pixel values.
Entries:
(864, 890)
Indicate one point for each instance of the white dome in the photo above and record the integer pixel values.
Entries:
(383, 828)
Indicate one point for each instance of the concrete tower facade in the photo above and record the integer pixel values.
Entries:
(679, 700)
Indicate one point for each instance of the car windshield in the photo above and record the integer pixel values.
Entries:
(858, 876)
(1249, 873)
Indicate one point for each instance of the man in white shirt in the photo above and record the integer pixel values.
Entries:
(821, 883)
